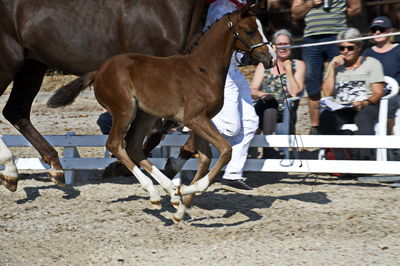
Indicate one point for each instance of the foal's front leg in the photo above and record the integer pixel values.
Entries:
(202, 127)
(203, 165)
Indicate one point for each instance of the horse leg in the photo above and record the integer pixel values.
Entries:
(9, 176)
(136, 134)
(11, 59)
(204, 161)
(116, 143)
(153, 139)
(203, 127)
(174, 165)
(17, 110)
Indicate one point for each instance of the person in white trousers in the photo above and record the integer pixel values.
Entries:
(237, 120)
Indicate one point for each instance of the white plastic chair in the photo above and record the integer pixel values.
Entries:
(396, 129)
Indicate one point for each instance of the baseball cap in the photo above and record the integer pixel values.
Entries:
(382, 22)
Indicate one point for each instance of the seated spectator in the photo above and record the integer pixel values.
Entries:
(356, 80)
(389, 55)
(270, 87)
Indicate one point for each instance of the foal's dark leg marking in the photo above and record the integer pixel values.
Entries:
(174, 165)
(153, 139)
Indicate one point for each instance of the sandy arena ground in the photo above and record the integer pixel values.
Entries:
(292, 219)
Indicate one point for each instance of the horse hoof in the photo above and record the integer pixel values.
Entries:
(10, 183)
(175, 204)
(59, 180)
(176, 219)
(156, 205)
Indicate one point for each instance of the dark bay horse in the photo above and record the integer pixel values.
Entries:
(128, 86)
(76, 36)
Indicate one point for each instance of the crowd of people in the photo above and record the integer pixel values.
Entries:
(354, 77)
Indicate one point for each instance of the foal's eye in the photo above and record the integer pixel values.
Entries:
(249, 32)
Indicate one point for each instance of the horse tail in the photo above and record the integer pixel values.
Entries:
(68, 93)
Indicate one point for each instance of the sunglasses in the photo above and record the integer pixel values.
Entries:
(349, 48)
(376, 29)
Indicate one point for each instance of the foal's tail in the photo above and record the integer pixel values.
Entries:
(67, 94)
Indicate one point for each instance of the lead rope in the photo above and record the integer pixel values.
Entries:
(291, 125)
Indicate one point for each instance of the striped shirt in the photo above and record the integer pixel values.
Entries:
(319, 21)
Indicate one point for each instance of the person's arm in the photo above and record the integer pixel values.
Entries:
(295, 81)
(376, 95)
(301, 7)
(328, 85)
(256, 82)
(353, 8)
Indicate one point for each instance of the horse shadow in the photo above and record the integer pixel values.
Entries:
(232, 204)
(32, 193)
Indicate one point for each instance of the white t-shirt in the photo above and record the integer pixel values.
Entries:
(355, 84)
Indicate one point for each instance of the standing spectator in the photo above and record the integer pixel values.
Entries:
(323, 23)
(356, 80)
(389, 55)
(270, 87)
(237, 120)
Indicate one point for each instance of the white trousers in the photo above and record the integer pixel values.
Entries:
(237, 121)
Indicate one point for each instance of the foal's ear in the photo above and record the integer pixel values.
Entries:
(251, 8)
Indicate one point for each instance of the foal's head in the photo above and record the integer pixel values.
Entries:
(249, 36)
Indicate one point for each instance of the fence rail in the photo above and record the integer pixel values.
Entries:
(72, 161)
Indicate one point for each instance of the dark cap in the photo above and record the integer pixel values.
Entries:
(382, 22)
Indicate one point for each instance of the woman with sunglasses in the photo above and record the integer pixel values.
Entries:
(270, 87)
(355, 80)
(388, 54)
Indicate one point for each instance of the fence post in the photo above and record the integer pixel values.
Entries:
(70, 152)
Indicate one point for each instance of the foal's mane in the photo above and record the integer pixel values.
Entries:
(196, 42)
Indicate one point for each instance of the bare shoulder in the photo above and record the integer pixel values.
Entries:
(300, 64)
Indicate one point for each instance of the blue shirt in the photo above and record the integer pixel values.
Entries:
(389, 60)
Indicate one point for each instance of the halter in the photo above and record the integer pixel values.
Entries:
(237, 37)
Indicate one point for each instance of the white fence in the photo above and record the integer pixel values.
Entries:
(72, 161)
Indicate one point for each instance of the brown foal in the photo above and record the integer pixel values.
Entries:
(138, 89)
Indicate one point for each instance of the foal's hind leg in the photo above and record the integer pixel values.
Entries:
(136, 134)
(153, 139)
(17, 111)
(122, 118)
